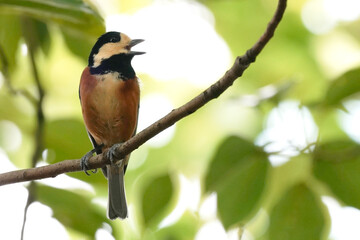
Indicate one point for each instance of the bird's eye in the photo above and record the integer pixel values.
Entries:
(113, 39)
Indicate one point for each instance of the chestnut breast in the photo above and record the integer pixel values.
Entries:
(109, 106)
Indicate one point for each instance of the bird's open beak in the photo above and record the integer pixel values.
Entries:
(133, 43)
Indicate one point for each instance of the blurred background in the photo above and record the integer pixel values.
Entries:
(277, 156)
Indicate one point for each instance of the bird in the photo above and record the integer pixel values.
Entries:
(109, 96)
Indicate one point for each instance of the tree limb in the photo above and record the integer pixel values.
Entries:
(7, 80)
(214, 91)
(27, 26)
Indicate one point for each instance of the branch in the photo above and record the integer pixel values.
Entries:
(31, 41)
(8, 83)
(214, 91)
(27, 26)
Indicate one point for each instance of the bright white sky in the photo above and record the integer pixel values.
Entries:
(321, 16)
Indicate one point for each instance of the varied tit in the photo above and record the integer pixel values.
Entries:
(109, 95)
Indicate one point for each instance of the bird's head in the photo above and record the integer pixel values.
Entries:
(111, 44)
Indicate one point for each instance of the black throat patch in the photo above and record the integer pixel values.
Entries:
(120, 63)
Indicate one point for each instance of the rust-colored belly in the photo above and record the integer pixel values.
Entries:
(110, 109)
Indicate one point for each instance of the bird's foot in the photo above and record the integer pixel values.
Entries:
(111, 155)
(84, 163)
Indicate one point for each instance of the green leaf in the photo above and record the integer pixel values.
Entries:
(10, 33)
(67, 138)
(237, 173)
(78, 43)
(337, 164)
(352, 29)
(292, 41)
(43, 36)
(229, 14)
(156, 197)
(185, 228)
(72, 209)
(297, 216)
(72, 13)
(343, 87)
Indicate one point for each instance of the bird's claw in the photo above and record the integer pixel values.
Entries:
(84, 162)
(111, 154)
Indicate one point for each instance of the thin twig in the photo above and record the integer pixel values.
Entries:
(31, 41)
(215, 90)
(8, 83)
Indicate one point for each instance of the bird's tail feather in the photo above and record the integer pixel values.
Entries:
(117, 206)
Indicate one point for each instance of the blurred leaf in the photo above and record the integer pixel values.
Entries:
(10, 110)
(71, 13)
(297, 215)
(327, 119)
(43, 36)
(353, 28)
(229, 16)
(156, 197)
(67, 138)
(337, 164)
(273, 95)
(73, 210)
(185, 228)
(35, 34)
(241, 23)
(10, 34)
(237, 173)
(343, 87)
(78, 43)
